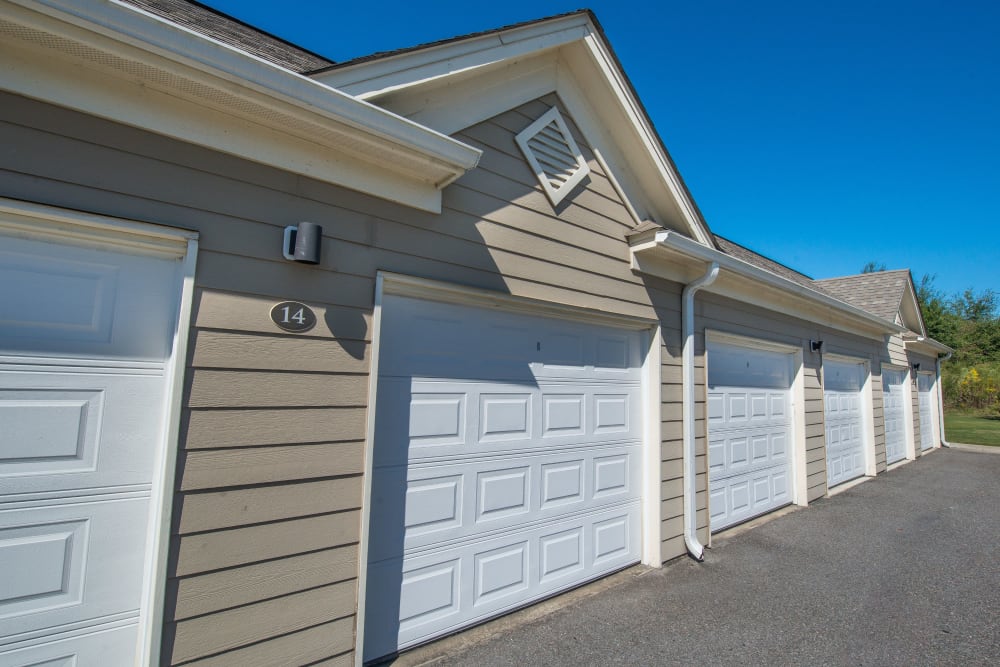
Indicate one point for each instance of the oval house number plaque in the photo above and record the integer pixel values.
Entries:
(293, 316)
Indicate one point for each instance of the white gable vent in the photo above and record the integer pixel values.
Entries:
(553, 155)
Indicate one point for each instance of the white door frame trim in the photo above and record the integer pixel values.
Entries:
(396, 284)
(800, 482)
(31, 220)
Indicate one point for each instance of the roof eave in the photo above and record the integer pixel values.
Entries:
(672, 256)
(121, 63)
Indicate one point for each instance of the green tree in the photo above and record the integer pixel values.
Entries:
(872, 267)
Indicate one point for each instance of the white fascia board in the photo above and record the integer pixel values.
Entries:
(207, 77)
(675, 257)
(925, 345)
(913, 306)
(639, 123)
(374, 78)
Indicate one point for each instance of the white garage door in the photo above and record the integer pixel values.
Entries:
(750, 432)
(83, 338)
(506, 465)
(925, 381)
(894, 395)
(845, 433)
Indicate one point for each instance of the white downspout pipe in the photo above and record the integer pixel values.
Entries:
(940, 393)
(694, 547)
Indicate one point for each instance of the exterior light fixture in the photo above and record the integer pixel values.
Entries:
(816, 345)
(303, 243)
(916, 367)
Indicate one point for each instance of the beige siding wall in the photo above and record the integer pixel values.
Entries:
(722, 314)
(264, 559)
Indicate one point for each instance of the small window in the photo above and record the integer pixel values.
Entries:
(553, 155)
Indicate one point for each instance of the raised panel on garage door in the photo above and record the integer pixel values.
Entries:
(506, 465)
(893, 397)
(750, 433)
(844, 417)
(925, 382)
(84, 334)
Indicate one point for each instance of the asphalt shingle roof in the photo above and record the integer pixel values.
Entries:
(228, 30)
(761, 262)
(879, 293)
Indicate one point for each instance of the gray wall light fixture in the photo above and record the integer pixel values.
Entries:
(303, 243)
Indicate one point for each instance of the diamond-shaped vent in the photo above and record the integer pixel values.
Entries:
(553, 155)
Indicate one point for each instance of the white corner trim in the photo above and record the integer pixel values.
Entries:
(155, 581)
(369, 466)
(120, 63)
(652, 494)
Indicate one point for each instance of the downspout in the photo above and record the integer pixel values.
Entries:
(940, 393)
(694, 547)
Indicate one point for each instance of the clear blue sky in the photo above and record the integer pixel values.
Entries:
(821, 134)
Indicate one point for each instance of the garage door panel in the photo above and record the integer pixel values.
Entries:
(109, 647)
(429, 339)
(79, 302)
(925, 383)
(61, 431)
(844, 420)
(84, 335)
(420, 419)
(893, 397)
(462, 500)
(67, 565)
(505, 472)
(749, 432)
(437, 591)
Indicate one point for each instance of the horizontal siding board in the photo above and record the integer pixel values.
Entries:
(238, 428)
(325, 644)
(218, 349)
(216, 389)
(203, 552)
(214, 468)
(239, 586)
(227, 630)
(212, 510)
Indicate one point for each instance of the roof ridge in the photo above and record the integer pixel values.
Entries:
(378, 55)
(859, 275)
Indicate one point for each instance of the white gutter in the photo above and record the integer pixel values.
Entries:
(694, 547)
(683, 245)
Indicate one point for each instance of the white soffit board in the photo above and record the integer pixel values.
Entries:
(750, 432)
(506, 464)
(85, 334)
(843, 382)
(553, 155)
(893, 396)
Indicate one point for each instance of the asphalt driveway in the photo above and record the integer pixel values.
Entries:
(903, 569)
